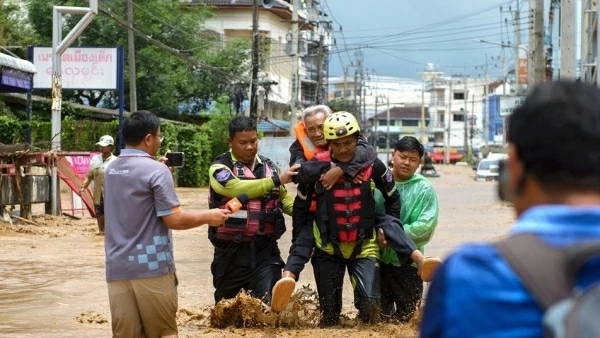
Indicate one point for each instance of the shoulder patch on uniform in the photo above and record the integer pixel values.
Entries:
(222, 175)
(388, 176)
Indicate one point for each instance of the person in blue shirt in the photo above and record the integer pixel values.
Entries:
(553, 182)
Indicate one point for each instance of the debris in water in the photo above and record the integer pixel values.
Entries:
(246, 312)
(188, 316)
(91, 317)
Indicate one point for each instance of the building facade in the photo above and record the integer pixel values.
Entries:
(233, 20)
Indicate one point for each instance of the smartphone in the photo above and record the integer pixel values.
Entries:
(175, 159)
(504, 193)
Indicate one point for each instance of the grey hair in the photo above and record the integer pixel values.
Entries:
(313, 110)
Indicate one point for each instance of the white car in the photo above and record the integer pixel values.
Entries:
(487, 170)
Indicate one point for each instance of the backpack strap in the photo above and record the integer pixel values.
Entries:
(578, 255)
(541, 268)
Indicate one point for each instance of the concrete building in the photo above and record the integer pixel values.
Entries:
(377, 91)
(233, 19)
(403, 121)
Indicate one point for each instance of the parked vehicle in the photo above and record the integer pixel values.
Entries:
(430, 173)
(487, 170)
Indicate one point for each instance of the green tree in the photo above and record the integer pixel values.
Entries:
(343, 105)
(15, 29)
(166, 84)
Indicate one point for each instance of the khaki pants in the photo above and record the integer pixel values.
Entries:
(144, 307)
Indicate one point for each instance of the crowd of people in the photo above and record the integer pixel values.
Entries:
(352, 212)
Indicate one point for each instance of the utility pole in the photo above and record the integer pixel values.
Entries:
(364, 92)
(131, 59)
(356, 104)
(472, 120)
(255, 57)
(320, 60)
(358, 71)
(345, 84)
(387, 148)
(504, 75)
(536, 42)
(567, 40)
(424, 137)
(363, 96)
(295, 60)
(517, 44)
(466, 120)
(448, 126)
(486, 105)
(588, 36)
(376, 119)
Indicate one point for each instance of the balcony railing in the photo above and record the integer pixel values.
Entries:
(437, 103)
(437, 126)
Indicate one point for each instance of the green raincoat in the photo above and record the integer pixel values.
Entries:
(419, 213)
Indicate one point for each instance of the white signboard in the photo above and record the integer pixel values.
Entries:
(82, 68)
(509, 103)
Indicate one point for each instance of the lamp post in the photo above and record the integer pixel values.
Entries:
(516, 56)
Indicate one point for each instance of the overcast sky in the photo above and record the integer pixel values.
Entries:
(400, 36)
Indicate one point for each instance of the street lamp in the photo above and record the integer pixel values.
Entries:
(509, 45)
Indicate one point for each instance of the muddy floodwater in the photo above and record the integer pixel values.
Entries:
(52, 273)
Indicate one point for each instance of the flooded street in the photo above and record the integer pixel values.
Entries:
(52, 275)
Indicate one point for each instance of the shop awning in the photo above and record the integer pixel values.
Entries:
(15, 74)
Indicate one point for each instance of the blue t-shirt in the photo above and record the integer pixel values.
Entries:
(138, 191)
(476, 294)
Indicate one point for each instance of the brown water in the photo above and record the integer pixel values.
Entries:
(52, 276)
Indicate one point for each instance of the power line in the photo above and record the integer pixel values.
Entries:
(169, 49)
(387, 28)
(494, 25)
(342, 33)
(447, 21)
(470, 38)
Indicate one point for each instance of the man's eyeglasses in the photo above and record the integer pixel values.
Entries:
(161, 137)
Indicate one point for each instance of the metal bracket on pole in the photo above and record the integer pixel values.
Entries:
(59, 46)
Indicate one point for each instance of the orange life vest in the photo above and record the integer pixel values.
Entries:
(310, 150)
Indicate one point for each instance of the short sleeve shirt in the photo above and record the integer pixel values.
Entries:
(97, 166)
(139, 191)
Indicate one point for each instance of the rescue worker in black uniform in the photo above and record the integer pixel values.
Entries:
(246, 254)
(310, 140)
(344, 230)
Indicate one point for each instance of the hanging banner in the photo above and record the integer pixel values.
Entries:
(522, 65)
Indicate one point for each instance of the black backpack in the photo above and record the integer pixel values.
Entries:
(549, 273)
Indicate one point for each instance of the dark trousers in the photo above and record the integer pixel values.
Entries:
(401, 291)
(229, 278)
(329, 276)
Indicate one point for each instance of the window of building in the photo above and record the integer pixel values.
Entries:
(458, 117)
(410, 123)
(348, 93)
(383, 122)
(337, 94)
(459, 95)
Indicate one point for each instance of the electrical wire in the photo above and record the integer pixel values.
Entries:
(471, 27)
(446, 21)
